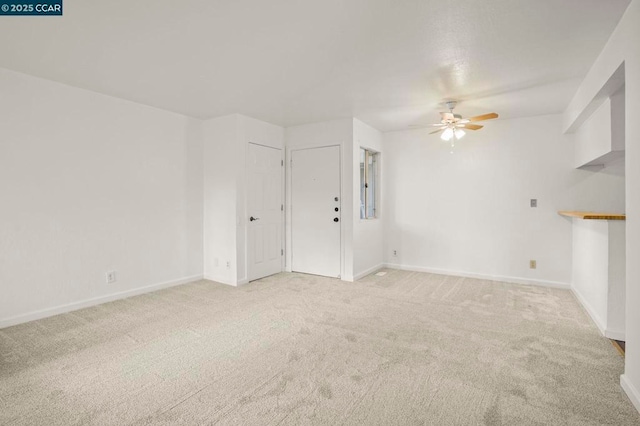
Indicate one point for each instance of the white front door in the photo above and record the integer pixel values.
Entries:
(316, 211)
(264, 206)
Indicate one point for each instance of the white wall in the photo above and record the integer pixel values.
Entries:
(368, 234)
(617, 280)
(591, 267)
(599, 272)
(336, 132)
(469, 212)
(91, 183)
(226, 142)
(622, 47)
(600, 138)
(618, 120)
(593, 139)
(220, 155)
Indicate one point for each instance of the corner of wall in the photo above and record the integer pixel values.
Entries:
(632, 392)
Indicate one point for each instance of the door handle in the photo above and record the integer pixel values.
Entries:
(335, 219)
(253, 218)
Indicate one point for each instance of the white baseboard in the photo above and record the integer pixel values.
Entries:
(512, 280)
(606, 332)
(363, 274)
(220, 280)
(631, 391)
(590, 311)
(63, 309)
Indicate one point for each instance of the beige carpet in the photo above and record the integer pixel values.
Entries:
(407, 348)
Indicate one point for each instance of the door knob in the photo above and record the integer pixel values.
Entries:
(335, 219)
(253, 218)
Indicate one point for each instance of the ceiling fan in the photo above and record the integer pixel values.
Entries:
(453, 126)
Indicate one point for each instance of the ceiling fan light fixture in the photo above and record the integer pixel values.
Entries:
(447, 134)
(453, 127)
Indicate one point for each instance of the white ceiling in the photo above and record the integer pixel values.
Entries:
(389, 63)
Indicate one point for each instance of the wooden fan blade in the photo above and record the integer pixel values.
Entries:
(482, 117)
(471, 126)
(437, 131)
(447, 116)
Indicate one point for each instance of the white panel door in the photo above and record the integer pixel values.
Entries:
(266, 216)
(315, 211)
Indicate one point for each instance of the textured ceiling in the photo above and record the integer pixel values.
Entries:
(389, 63)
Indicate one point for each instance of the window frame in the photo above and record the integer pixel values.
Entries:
(365, 176)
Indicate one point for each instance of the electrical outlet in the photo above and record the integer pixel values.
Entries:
(110, 277)
(533, 264)
(228, 264)
(395, 253)
(534, 202)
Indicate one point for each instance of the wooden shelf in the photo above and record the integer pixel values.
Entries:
(593, 215)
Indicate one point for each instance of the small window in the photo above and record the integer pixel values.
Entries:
(368, 184)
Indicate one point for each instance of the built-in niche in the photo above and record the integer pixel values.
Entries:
(600, 137)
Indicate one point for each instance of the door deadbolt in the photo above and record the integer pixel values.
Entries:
(335, 219)
(336, 209)
(336, 199)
